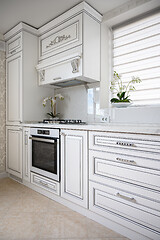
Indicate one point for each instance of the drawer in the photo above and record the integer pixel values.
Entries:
(134, 144)
(14, 45)
(45, 183)
(140, 171)
(61, 38)
(121, 200)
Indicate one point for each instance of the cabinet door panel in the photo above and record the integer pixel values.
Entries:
(27, 154)
(74, 166)
(14, 81)
(14, 151)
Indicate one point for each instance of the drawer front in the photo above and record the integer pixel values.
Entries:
(61, 38)
(45, 183)
(136, 170)
(134, 144)
(14, 45)
(126, 204)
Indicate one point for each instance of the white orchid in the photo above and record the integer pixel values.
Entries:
(52, 104)
(59, 95)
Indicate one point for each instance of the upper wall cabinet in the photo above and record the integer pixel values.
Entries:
(69, 48)
(14, 45)
(61, 38)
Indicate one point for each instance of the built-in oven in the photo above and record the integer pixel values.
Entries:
(45, 152)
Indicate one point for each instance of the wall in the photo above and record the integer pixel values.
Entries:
(2, 111)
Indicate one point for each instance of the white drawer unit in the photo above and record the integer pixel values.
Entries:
(133, 144)
(14, 45)
(61, 38)
(45, 183)
(134, 205)
(124, 180)
(137, 170)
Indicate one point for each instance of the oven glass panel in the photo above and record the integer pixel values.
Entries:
(44, 155)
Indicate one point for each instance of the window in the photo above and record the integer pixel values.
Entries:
(136, 52)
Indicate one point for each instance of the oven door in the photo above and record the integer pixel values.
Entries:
(45, 156)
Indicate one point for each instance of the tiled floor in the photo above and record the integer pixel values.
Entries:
(27, 215)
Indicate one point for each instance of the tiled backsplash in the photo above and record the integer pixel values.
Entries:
(2, 111)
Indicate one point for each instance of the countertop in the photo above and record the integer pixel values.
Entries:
(108, 127)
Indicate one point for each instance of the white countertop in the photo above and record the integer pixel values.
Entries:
(111, 127)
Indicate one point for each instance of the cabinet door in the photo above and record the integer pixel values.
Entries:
(14, 88)
(14, 151)
(74, 174)
(27, 154)
(14, 45)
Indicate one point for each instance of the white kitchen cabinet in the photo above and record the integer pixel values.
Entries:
(124, 179)
(61, 38)
(14, 150)
(74, 166)
(70, 49)
(23, 96)
(14, 88)
(14, 45)
(27, 154)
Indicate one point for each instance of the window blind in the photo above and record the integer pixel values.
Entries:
(136, 52)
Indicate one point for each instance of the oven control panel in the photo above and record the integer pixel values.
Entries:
(44, 132)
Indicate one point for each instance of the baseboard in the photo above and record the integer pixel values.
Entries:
(3, 175)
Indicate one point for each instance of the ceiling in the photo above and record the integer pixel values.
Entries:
(39, 12)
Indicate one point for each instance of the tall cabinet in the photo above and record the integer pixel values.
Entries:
(23, 96)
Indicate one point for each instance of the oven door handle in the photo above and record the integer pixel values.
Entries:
(42, 140)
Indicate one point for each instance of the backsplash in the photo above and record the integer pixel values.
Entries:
(81, 102)
(2, 112)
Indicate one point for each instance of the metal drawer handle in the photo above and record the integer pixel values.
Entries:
(125, 144)
(57, 78)
(42, 140)
(126, 198)
(44, 184)
(13, 51)
(126, 161)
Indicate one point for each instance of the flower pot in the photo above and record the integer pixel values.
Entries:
(121, 104)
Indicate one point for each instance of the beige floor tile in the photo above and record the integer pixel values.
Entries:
(54, 206)
(28, 215)
(26, 226)
(64, 225)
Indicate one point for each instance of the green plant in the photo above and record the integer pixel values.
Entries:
(120, 89)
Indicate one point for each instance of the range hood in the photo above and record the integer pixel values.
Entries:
(66, 70)
(69, 83)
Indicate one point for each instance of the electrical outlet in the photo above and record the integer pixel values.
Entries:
(105, 118)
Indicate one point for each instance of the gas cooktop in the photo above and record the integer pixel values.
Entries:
(63, 121)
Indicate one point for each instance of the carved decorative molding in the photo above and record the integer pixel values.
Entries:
(74, 64)
(42, 75)
(58, 39)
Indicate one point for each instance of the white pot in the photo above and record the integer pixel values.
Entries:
(121, 104)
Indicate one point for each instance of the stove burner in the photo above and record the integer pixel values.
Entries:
(64, 121)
